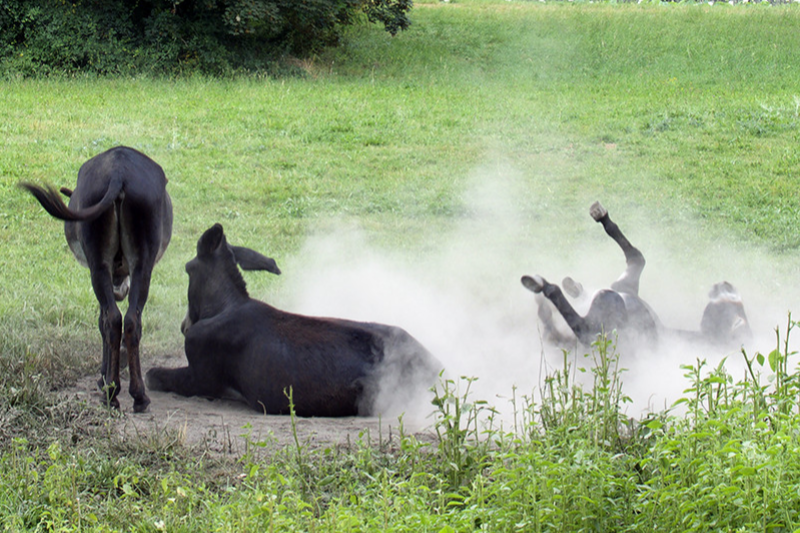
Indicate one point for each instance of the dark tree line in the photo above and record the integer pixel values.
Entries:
(40, 37)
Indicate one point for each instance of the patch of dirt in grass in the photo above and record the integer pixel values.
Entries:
(227, 426)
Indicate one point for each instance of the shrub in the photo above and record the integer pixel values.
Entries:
(41, 37)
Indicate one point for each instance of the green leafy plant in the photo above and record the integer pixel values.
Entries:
(463, 443)
(566, 406)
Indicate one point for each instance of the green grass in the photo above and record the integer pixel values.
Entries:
(584, 101)
(686, 110)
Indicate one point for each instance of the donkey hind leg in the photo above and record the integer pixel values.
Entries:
(582, 329)
(132, 332)
(140, 252)
(551, 334)
(628, 282)
(110, 325)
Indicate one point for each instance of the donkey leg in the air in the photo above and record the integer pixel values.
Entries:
(606, 313)
(552, 333)
(628, 282)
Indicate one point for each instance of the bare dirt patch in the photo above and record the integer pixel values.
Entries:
(226, 426)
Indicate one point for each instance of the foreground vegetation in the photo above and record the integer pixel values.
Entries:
(686, 110)
(572, 463)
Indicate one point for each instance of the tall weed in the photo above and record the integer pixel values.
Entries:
(597, 412)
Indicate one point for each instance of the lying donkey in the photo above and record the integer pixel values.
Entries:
(620, 308)
(241, 347)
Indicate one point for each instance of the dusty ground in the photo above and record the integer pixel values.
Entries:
(225, 426)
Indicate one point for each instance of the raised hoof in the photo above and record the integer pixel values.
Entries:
(597, 211)
(572, 287)
(533, 283)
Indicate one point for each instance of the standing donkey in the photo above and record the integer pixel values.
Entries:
(118, 224)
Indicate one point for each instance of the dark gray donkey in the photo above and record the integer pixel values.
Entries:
(240, 347)
(620, 308)
(118, 224)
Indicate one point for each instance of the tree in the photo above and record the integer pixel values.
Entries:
(119, 36)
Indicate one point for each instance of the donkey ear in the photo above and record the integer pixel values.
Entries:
(210, 241)
(251, 260)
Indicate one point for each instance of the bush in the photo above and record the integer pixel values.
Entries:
(42, 37)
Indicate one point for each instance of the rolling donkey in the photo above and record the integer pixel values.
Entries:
(244, 348)
(118, 224)
(620, 308)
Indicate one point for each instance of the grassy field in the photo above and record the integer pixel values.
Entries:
(499, 120)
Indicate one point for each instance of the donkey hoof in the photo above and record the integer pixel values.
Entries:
(533, 283)
(597, 211)
(572, 287)
(141, 406)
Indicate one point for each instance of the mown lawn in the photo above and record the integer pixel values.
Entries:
(466, 152)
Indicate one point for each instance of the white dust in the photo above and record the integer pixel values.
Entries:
(465, 303)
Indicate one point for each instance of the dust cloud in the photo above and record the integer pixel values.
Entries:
(461, 297)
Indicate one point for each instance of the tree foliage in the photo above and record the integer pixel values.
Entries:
(40, 37)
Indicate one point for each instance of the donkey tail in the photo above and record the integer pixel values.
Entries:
(51, 201)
